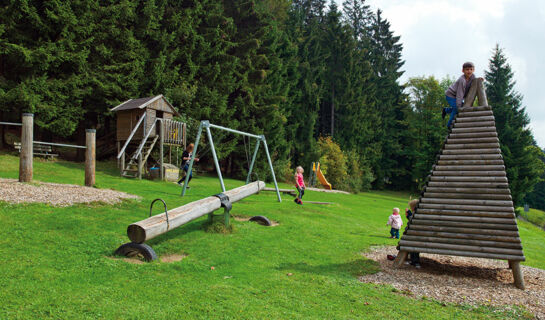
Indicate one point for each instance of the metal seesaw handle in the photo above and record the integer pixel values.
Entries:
(166, 212)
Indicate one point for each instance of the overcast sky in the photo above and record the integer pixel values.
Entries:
(438, 36)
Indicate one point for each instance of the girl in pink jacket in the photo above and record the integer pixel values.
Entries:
(299, 184)
(395, 222)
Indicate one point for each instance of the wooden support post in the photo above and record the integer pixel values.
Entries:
(476, 91)
(471, 94)
(184, 135)
(122, 163)
(517, 274)
(90, 157)
(27, 141)
(401, 257)
(161, 146)
(140, 165)
(481, 93)
(118, 149)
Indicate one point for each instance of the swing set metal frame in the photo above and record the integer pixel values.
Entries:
(206, 125)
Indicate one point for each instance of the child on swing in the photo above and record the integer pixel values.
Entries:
(299, 184)
(186, 157)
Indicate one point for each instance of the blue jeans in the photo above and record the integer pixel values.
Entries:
(186, 168)
(394, 233)
(453, 110)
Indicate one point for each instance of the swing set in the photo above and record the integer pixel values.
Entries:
(206, 125)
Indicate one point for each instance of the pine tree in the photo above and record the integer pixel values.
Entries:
(43, 52)
(206, 68)
(389, 129)
(305, 31)
(359, 17)
(521, 157)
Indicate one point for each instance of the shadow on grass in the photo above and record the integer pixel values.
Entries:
(178, 232)
(355, 268)
(382, 237)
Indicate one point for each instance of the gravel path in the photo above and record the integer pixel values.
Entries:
(461, 280)
(60, 195)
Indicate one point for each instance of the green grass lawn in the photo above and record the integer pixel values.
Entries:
(56, 262)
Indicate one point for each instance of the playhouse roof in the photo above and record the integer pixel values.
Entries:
(142, 103)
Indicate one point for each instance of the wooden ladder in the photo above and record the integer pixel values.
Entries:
(132, 169)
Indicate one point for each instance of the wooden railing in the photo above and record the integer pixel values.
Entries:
(174, 132)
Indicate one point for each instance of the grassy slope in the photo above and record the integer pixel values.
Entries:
(535, 216)
(55, 260)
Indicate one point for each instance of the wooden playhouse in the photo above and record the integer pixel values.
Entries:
(143, 124)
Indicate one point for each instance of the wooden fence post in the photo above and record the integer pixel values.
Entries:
(90, 157)
(27, 141)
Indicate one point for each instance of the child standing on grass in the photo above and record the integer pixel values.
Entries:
(299, 184)
(395, 223)
(414, 257)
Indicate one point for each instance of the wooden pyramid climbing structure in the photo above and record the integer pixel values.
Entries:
(466, 207)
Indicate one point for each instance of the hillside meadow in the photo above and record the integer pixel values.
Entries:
(57, 262)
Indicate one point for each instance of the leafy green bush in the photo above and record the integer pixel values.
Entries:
(359, 176)
(332, 161)
(344, 170)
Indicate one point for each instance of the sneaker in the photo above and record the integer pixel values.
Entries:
(179, 183)
(417, 265)
(443, 113)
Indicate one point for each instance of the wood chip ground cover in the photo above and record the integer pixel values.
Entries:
(56, 194)
(461, 280)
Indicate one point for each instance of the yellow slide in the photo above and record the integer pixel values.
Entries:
(321, 177)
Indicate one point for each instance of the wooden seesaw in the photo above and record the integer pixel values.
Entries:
(154, 226)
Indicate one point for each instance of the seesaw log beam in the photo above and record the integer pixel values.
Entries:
(157, 225)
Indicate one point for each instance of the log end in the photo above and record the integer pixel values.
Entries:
(136, 233)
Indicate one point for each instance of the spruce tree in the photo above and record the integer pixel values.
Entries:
(305, 31)
(359, 17)
(43, 52)
(521, 157)
(386, 62)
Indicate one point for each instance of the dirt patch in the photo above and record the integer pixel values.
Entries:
(244, 218)
(60, 195)
(465, 280)
(168, 258)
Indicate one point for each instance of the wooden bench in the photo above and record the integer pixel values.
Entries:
(39, 150)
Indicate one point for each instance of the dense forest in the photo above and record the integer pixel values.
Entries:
(322, 83)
